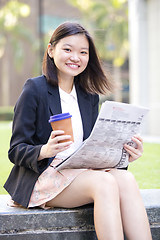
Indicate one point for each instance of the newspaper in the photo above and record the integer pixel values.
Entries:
(116, 124)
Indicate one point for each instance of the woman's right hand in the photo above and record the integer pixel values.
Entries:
(53, 146)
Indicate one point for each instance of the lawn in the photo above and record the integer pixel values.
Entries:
(146, 170)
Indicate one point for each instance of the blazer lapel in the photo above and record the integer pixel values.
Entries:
(54, 99)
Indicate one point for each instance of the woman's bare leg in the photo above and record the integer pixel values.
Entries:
(134, 217)
(102, 189)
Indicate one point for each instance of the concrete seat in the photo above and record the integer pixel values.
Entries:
(64, 224)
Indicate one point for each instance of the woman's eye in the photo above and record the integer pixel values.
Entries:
(67, 50)
(84, 53)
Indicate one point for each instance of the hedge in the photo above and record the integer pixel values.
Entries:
(6, 113)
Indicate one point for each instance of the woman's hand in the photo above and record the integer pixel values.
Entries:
(135, 152)
(53, 146)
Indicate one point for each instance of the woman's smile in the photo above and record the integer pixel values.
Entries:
(72, 65)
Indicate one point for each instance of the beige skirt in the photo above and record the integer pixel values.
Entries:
(50, 183)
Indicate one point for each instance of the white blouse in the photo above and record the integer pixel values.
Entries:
(69, 104)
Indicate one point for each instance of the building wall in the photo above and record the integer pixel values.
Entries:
(144, 36)
(153, 7)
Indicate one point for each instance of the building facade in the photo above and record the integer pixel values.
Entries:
(144, 36)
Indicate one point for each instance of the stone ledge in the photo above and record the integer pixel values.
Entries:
(77, 223)
(50, 235)
(39, 219)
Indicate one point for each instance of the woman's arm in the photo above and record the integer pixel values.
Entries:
(23, 148)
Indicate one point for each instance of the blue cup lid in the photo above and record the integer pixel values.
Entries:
(59, 117)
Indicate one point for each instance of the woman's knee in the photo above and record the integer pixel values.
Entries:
(129, 179)
(103, 183)
(125, 180)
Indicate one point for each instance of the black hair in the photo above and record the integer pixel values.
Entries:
(92, 79)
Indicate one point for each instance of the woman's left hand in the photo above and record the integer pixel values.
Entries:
(135, 152)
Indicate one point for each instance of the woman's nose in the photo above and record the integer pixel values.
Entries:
(74, 57)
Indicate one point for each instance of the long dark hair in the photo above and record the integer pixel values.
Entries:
(92, 79)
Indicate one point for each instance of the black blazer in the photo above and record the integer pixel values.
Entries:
(31, 130)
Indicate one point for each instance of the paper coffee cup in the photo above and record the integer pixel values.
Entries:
(62, 122)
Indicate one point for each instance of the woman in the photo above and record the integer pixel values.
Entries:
(71, 81)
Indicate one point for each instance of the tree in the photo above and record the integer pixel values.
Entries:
(108, 22)
(11, 35)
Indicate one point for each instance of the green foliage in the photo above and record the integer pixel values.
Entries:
(146, 169)
(13, 31)
(11, 12)
(108, 21)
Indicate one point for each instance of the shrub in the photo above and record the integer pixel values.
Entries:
(6, 113)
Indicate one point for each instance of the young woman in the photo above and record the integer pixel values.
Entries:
(71, 81)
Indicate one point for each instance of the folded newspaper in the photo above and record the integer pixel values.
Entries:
(116, 124)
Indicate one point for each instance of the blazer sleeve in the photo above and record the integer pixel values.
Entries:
(24, 150)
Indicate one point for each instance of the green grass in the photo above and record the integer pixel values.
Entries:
(146, 170)
(5, 164)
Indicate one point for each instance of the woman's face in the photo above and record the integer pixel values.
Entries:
(71, 55)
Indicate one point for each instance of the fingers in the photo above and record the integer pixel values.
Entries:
(58, 136)
(139, 142)
(56, 133)
(135, 152)
(54, 146)
(59, 147)
(55, 141)
(137, 138)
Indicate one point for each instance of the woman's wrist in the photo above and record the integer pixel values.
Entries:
(42, 154)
